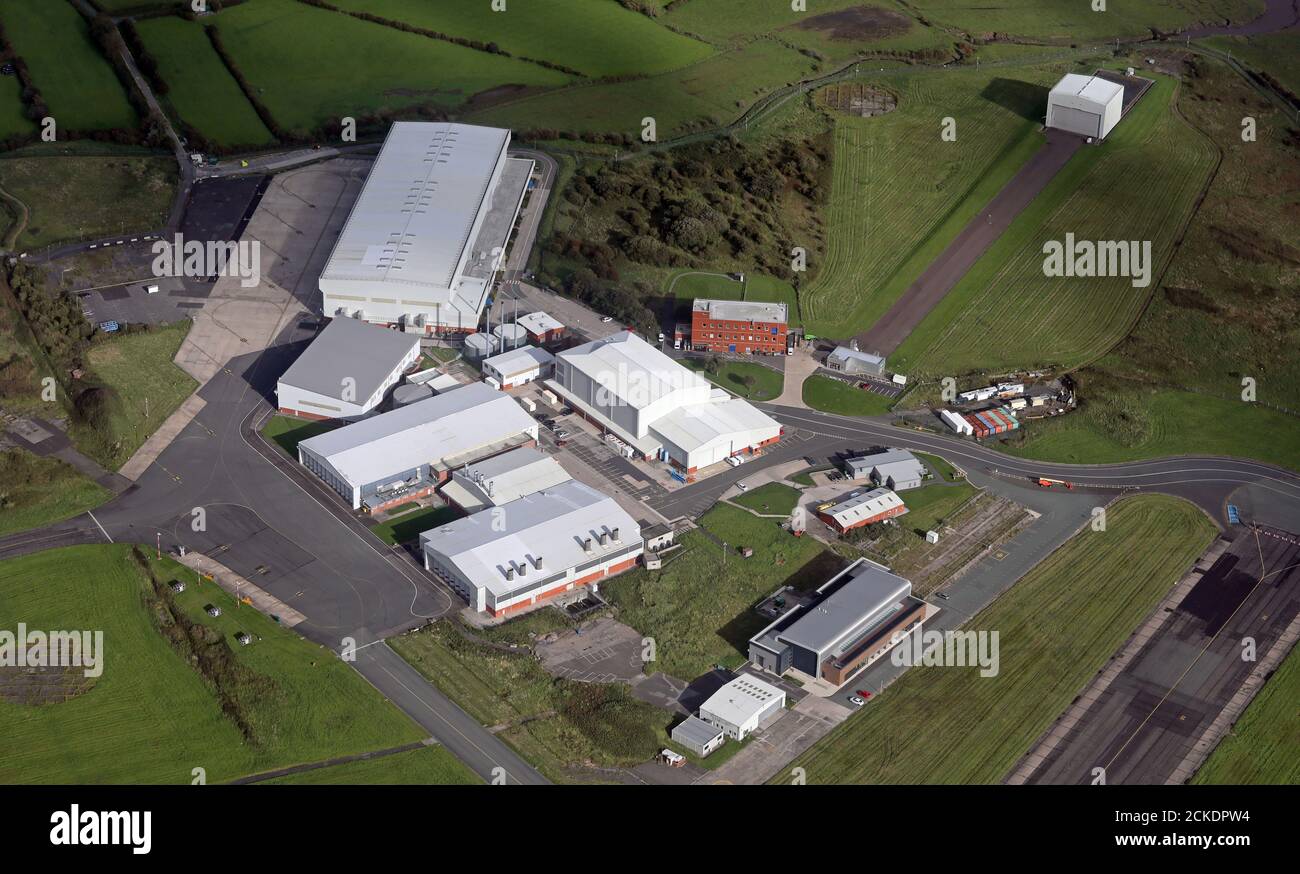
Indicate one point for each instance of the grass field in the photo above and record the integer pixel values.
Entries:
(409, 526)
(1264, 745)
(697, 607)
(929, 505)
(154, 714)
(1132, 423)
(900, 193)
(78, 84)
(36, 491)
(283, 46)
(836, 30)
(1057, 627)
(13, 121)
(287, 432)
(833, 396)
(139, 368)
(1067, 20)
(200, 88)
(941, 467)
(714, 91)
(81, 198)
(554, 723)
(765, 384)
(1040, 320)
(430, 766)
(595, 37)
(772, 499)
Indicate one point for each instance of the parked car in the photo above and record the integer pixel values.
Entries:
(607, 319)
(943, 595)
(560, 433)
(733, 461)
(856, 701)
(741, 486)
(865, 695)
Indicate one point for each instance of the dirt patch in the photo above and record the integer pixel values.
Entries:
(857, 99)
(33, 687)
(497, 95)
(860, 23)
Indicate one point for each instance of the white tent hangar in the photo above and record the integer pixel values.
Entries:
(1085, 105)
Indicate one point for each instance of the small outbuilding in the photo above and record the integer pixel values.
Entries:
(699, 736)
(742, 705)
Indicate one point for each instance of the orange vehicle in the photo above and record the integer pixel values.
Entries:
(1046, 483)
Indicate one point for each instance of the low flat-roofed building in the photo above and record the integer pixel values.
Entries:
(698, 736)
(741, 326)
(852, 361)
(863, 508)
(741, 706)
(541, 328)
(503, 478)
(509, 558)
(519, 366)
(346, 371)
(855, 617)
(659, 408)
(404, 454)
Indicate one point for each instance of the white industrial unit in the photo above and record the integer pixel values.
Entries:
(519, 366)
(656, 406)
(429, 230)
(740, 707)
(346, 371)
(1086, 105)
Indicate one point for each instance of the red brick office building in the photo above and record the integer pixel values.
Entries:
(745, 327)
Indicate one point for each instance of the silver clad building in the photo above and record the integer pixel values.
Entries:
(404, 454)
(1085, 105)
(429, 230)
(346, 371)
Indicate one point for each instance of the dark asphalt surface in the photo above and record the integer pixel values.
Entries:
(1148, 720)
(944, 272)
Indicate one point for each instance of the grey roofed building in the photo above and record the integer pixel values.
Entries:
(698, 736)
(852, 361)
(346, 370)
(503, 478)
(896, 469)
(842, 629)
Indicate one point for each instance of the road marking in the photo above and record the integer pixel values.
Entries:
(101, 527)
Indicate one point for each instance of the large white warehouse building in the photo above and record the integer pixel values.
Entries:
(429, 230)
(1085, 105)
(508, 558)
(655, 405)
(404, 454)
(346, 371)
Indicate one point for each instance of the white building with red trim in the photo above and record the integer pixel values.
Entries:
(511, 557)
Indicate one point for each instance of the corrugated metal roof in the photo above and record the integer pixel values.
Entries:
(740, 700)
(868, 590)
(508, 476)
(1091, 88)
(549, 525)
(697, 425)
(539, 323)
(443, 426)
(349, 349)
(696, 731)
(520, 360)
(637, 373)
(864, 506)
(412, 222)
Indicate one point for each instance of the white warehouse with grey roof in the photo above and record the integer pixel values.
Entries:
(514, 556)
(346, 371)
(429, 230)
(404, 454)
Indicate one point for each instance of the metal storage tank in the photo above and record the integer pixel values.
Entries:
(410, 393)
(481, 345)
(510, 336)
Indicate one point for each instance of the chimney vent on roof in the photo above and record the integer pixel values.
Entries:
(586, 545)
(537, 562)
(510, 572)
(617, 539)
(604, 538)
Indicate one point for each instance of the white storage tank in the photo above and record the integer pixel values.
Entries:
(510, 336)
(481, 345)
